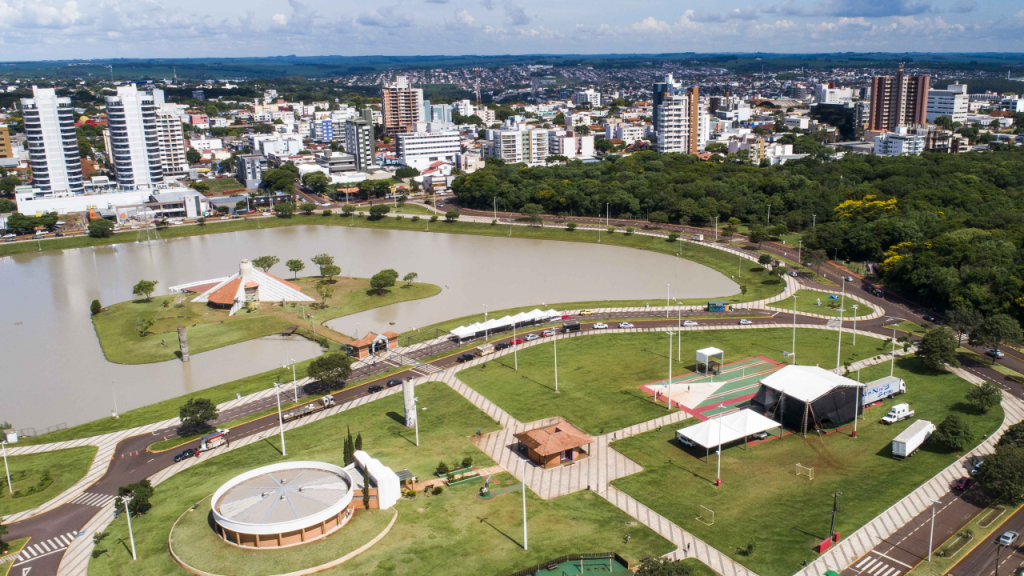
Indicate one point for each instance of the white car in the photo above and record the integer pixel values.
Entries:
(744, 321)
(531, 337)
(548, 332)
(689, 323)
(686, 441)
(1008, 538)
(625, 324)
(600, 326)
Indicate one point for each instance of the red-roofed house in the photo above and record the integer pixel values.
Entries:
(248, 285)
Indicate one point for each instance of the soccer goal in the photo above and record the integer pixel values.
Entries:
(707, 516)
(805, 471)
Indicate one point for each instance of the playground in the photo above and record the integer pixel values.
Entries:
(702, 395)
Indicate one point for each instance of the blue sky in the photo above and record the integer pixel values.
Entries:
(49, 29)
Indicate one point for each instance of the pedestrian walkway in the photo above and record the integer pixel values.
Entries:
(876, 564)
(91, 499)
(45, 548)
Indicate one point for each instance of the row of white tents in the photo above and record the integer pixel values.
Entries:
(535, 316)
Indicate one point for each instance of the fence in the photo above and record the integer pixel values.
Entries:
(27, 432)
(586, 556)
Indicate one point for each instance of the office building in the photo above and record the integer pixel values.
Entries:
(436, 112)
(52, 143)
(951, 102)
(1012, 105)
(677, 112)
(360, 141)
(844, 117)
(6, 150)
(899, 100)
(428, 144)
(134, 138)
(249, 169)
(321, 130)
(901, 142)
(402, 106)
(588, 96)
(336, 162)
(829, 94)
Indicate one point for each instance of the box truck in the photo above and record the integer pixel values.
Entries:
(881, 389)
(908, 442)
(898, 413)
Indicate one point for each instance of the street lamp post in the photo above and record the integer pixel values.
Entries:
(835, 508)
(515, 346)
(486, 336)
(3, 445)
(295, 386)
(128, 515)
(668, 296)
(555, 342)
(280, 419)
(716, 228)
(669, 386)
(839, 344)
(523, 469)
(416, 417)
(854, 307)
(931, 530)
(793, 349)
(769, 223)
(892, 361)
(720, 415)
(799, 251)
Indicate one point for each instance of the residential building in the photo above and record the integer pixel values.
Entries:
(798, 122)
(427, 145)
(829, 94)
(1012, 105)
(517, 142)
(901, 142)
(469, 162)
(336, 162)
(171, 138)
(200, 121)
(946, 142)
(360, 141)
(676, 117)
(751, 145)
(321, 130)
(952, 102)
(628, 133)
(52, 143)
(250, 168)
(565, 143)
(199, 95)
(6, 150)
(487, 115)
(588, 96)
(899, 100)
(402, 106)
(464, 108)
(436, 112)
(576, 118)
(204, 144)
(134, 139)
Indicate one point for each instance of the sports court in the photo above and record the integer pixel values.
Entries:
(700, 395)
(607, 565)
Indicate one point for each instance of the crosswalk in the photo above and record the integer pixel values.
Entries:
(91, 499)
(875, 567)
(45, 548)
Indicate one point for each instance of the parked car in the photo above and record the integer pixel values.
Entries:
(464, 358)
(977, 466)
(501, 345)
(963, 483)
(625, 324)
(685, 441)
(928, 318)
(586, 312)
(760, 436)
(548, 332)
(375, 388)
(531, 337)
(745, 322)
(187, 453)
(393, 382)
(517, 342)
(848, 278)
(997, 354)
(600, 326)
(1008, 538)
(690, 323)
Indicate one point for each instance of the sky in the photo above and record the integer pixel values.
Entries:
(60, 29)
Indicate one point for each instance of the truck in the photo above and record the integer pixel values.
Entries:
(873, 289)
(213, 440)
(307, 409)
(908, 442)
(698, 237)
(571, 326)
(886, 387)
(898, 413)
(485, 349)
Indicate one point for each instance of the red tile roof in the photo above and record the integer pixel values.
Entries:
(554, 439)
(200, 288)
(225, 295)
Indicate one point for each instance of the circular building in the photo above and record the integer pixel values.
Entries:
(283, 504)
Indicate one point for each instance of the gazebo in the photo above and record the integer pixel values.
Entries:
(552, 446)
(372, 343)
(705, 356)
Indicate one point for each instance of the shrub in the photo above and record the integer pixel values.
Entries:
(493, 222)
(399, 217)
(673, 237)
(467, 461)
(433, 218)
(415, 218)
(201, 221)
(630, 230)
(570, 226)
(377, 211)
(611, 229)
(101, 228)
(442, 469)
(327, 212)
(95, 307)
(437, 490)
(451, 215)
(953, 434)
(410, 493)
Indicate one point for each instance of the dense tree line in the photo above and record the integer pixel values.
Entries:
(946, 229)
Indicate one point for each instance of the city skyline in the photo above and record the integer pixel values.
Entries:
(52, 29)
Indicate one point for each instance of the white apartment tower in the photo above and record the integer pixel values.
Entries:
(427, 145)
(952, 102)
(677, 112)
(52, 143)
(172, 138)
(134, 138)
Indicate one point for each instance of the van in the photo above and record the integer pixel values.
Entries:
(898, 413)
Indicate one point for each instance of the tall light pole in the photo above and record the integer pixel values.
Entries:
(668, 296)
(3, 446)
(608, 213)
(931, 530)
(555, 342)
(485, 323)
(794, 330)
(670, 335)
(720, 416)
(716, 228)
(495, 208)
(854, 324)
(128, 515)
(799, 251)
(769, 215)
(839, 344)
(295, 386)
(835, 508)
(280, 419)
(515, 346)
(814, 221)
(416, 417)
(523, 470)
(892, 361)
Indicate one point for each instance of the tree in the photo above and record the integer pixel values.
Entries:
(279, 180)
(348, 209)
(348, 452)
(100, 228)
(193, 156)
(944, 122)
(764, 259)
(330, 369)
(366, 492)
(359, 441)
(758, 234)
(95, 307)
(533, 211)
(316, 181)
(196, 412)
(953, 434)
(997, 330)
(1014, 435)
(410, 278)
(295, 266)
(265, 263)
(377, 211)
(716, 148)
(938, 349)
(964, 320)
(7, 206)
(8, 184)
(201, 221)
(325, 290)
(651, 566)
(451, 215)
(145, 288)
(778, 272)
(1002, 476)
(307, 207)
(816, 257)
(407, 172)
(986, 396)
(140, 493)
(322, 260)
(330, 271)
(658, 217)
(382, 280)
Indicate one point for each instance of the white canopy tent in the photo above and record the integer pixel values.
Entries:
(726, 428)
(706, 354)
(498, 324)
(807, 383)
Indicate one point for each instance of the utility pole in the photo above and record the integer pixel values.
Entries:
(128, 515)
(555, 342)
(835, 508)
(668, 296)
(839, 344)
(721, 408)
(931, 533)
(794, 331)
(280, 419)
(669, 386)
(3, 445)
(523, 469)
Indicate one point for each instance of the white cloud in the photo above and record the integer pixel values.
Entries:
(38, 14)
(463, 19)
(652, 24)
(280, 19)
(515, 15)
(385, 17)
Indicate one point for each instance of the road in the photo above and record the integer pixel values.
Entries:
(983, 559)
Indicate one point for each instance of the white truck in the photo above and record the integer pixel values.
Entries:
(908, 442)
(214, 440)
(307, 409)
(898, 413)
(881, 389)
(698, 237)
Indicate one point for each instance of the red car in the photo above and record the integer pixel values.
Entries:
(963, 483)
(516, 342)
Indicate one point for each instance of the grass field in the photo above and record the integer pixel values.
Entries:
(209, 328)
(65, 467)
(14, 547)
(907, 327)
(224, 185)
(807, 301)
(761, 497)
(409, 209)
(599, 376)
(483, 535)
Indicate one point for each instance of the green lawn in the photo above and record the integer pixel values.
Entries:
(14, 547)
(409, 209)
(222, 185)
(430, 533)
(598, 375)
(763, 499)
(807, 301)
(65, 467)
(907, 327)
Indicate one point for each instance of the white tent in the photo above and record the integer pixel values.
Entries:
(706, 354)
(732, 426)
(506, 323)
(807, 383)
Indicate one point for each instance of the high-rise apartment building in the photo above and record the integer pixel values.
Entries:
(899, 100)
(677, 112)
(360, 141)
(52, 143)
(402, 105)
(952, 102)
(171, 137)
(134, 138)
(428, 144)
(6, 151)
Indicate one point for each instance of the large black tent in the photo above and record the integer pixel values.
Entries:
(807, 397)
